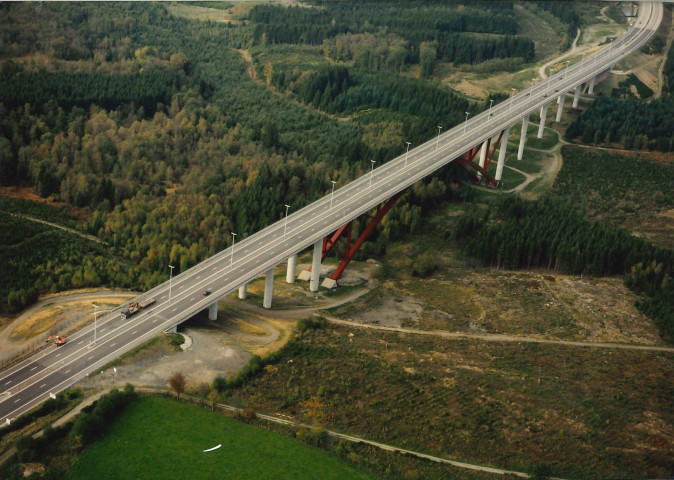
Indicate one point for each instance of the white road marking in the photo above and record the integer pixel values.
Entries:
(174, 309)
(90, 357)
(17, 400)
(155, 320)
(81, 341)
(43, 385)
(191, 299)
(181, 286)
(58, 354)
(66, 372)
(113, 344)
(7, 383)
(134, 332)
(215, 268)
(33, 369)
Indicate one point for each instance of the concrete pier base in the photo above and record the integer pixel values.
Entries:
(213, 311)
(576, 96)
(560, 109)
(316, 266)
(243, 291)
(523, 136)
(292, 267)
(268, 288)
(590, 89)
(544, 113)
(501, 155)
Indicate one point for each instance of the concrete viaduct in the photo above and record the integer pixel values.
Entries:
(319, 225)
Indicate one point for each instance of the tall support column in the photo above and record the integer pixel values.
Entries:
(560, 109)
(316, 265)
(268, 288)
(523, 136)
(213, 311)
(541, 127)
(243, 291)
(590, 90)
(292, 266)
(501, 155)
(576, 96)
(483, 156)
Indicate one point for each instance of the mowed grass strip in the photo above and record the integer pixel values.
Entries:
(157, 437)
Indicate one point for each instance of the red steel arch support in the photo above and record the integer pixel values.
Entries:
(470, 165)
(349, 253)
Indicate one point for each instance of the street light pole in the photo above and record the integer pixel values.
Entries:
(372, 171)
(333, 193)
(466, 122)
(512, 92)
(491, 102)
(567, 68)
(285, 227)
(407, 153)
(231, 258)
(170, 282)
(437, 142)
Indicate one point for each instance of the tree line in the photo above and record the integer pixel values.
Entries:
(85, 89)
(551, 233)
(629, 122)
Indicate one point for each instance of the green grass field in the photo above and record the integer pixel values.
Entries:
(161, 438)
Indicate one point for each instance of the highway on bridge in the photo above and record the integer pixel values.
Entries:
(29, 382)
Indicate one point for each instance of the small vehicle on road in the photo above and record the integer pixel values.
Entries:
(60, 341)
(207, 293)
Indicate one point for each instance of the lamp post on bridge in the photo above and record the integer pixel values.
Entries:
(465, 124)
(407, 153)
(170, 282)
(333, 193)
(372, 171)
(285, 227)
(491, 102)
(512, 92)
(437, 141)
(566, 70)
(231, 258)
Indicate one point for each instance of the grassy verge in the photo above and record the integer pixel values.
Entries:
(161, 438)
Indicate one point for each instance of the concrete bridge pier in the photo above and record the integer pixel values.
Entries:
(523, 136)
(213, 311)
(502, 154)
(173, 329)
(541, 127)
(243, 291)
(590, 89)
(576, 96)
(316, 265)
(268, 288)
(483, 156)
(560, 109)
(292, 267)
